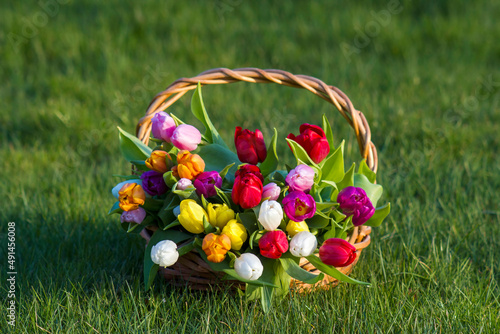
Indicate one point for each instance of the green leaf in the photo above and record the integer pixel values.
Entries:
(301, 154)
(318, 221)
(252, 291)
(366, 171)
(132, 148)
(186, 248)
(333, 167)
(332, 271)
(373, 191)
(115, 208)
(320, 206)
(217, 157)
(169, 179)
(379, 215)
(271, 162)
(347, 181)
(140, 165)
(294, 270)
(166, 213)
(199, 111)
(151, 204)
(150, 268)
(208, 228)
(328, 132)
(249, 220)
(226, 169)
(172, 224)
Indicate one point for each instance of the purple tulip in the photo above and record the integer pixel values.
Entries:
(184, 183)
(153, 183)
(299, 206)
(300, 178)
(186, 137)
(133, 216)
(206, 182)
(354, 202)
(271, 191)
(162, 126)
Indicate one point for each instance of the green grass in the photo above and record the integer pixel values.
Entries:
(428, 83)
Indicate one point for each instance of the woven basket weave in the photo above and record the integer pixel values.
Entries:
(191, 269)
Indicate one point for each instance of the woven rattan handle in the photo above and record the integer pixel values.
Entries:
(332, 94)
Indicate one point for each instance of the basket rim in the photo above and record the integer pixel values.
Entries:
(355, 118)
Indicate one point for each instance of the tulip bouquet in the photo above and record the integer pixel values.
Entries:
(238, 212)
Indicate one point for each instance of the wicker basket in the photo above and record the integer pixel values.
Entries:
(191, 269)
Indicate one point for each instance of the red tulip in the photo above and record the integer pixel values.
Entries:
(273, 244)
(250, 146)
(337, 252)
(247, 188)
(313, 139)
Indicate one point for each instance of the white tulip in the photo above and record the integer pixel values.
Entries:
(303, 244)
(165, 253)
(270, 215)
(248, 266)
(117, 188)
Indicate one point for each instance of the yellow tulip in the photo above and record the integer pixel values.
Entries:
(188, 166)
(219, 214)
(236, 232)
(159, 161)
(292, 228)
(216, 247)
(191, 216)
(131, 195)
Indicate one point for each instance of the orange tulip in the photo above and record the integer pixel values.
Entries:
(216, 247)
(188, 165)
(159, 161)
(131, 195)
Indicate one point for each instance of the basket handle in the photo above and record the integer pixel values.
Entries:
(331, 94)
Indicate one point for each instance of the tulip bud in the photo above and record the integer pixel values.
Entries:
(186, 137)
(303, 244)
(219, 214)
(188, 165)
(133, 216)
(313, 139)
(159, 161)
(250, 146)
(191, 216)
(236, 232)
(337, 252)
(271, 191)
(162, 126)
(119, 186)
(299, 206)
(247, 188)
(354, 202)
(216, 247)
(153, 183)
(248, 266)
(273, 244)
(206, 182)
(292, 228)
(270, 215)
(184, 183)
(300, 178)
(165, 253)
(131, 195)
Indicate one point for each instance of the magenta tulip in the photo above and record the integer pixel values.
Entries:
(206, 182)
(299, 206)
(354, 202)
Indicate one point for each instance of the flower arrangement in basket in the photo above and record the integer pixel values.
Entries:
(213, 216)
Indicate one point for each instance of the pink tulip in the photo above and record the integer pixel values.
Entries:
(271, 191)
(186, 137)
(162, 126)
(301, 178)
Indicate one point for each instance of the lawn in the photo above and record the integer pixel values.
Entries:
(425, 74)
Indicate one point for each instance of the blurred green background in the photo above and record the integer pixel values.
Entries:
(425, 74)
